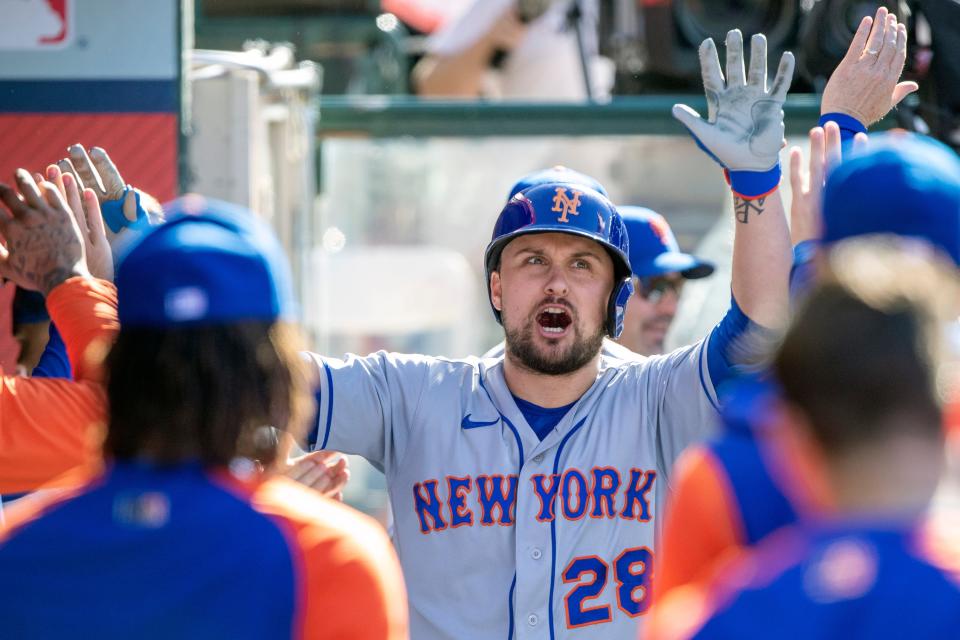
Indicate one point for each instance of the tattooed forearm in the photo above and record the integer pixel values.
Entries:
(743, 209)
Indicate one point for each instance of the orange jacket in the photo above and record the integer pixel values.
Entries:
(48, 426)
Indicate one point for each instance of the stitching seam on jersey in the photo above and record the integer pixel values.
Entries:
(513, 586)
(326, 433)
(401, 456)
(703, 382)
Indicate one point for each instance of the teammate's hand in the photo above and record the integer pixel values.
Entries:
(323, 471)
(864, 85)
(806, 185)
(86, 211)
(744, 126)
(43, 244)
(96, 171)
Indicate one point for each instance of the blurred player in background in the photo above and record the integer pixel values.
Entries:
(858, 372)
(181, 535)
(741, 487)
(660, 269)
(520, 49)
(42, 445)
(49, 426)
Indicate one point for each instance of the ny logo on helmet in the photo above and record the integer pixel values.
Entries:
(565, 205)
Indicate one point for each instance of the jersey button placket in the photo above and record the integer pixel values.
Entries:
(538, 458)
(536, 554)
(532, 619)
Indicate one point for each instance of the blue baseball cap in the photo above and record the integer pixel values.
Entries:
(654, 249)
(555, 175)
(901, 183)
(210, 263)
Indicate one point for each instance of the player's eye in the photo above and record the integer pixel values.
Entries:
(536, 260)
(581, 264)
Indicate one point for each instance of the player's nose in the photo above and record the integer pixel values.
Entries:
(556, 283)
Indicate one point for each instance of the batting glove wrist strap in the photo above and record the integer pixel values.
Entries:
(112, 211)
(752, 185)
(849, 126)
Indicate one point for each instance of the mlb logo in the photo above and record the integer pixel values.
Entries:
(35, 25)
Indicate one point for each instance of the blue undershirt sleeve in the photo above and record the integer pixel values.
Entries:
(54, 362)
(801, 273)
(737, 346)
(849, 126)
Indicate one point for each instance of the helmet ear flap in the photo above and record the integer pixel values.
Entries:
(617, 306)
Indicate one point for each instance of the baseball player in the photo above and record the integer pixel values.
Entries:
(180, 535)
(49, 426)
(526, 489)
(659, 269)
(858, 373)
(736, 490)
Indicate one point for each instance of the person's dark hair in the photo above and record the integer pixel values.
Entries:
(204, 393)
(861, 356)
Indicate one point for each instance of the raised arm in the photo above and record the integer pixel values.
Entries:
(865, 85)
(49, 426)
(743, 133)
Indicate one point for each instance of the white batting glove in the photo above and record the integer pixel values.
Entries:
(744, 126)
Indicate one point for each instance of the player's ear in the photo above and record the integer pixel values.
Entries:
(496, 291)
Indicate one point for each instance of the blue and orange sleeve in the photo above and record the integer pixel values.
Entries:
(350, 582)
(703, 524)
(49, 426)
(54, 362)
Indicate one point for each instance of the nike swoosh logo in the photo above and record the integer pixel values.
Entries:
(467, 423)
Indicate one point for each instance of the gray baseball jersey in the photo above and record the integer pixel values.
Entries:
(502, 535)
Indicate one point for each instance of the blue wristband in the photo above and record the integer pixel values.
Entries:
(752, 185)
(849, 126)
(112, 211)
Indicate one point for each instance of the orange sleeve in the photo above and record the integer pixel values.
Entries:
(702, 522)
(48, 426)
(352, 583)
(85, 312)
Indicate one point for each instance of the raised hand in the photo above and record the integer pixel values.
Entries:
(864, 85)
(43, 243)
(744, 126)
(323, 471)
(807, 184)
(86, 210)
(118, 201)
(95, 171)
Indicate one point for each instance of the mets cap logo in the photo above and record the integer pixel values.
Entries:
(566, 205)
(660, 228)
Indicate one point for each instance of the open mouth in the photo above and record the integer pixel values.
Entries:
(554, 320)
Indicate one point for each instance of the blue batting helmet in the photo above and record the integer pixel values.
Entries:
(555, 174)
(562, 207)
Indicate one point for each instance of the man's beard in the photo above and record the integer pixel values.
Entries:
(521, 345)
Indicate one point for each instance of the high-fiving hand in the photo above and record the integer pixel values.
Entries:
(864, 85)
(96, 171)
(43, 245)
(86, 209)
(744, 126)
